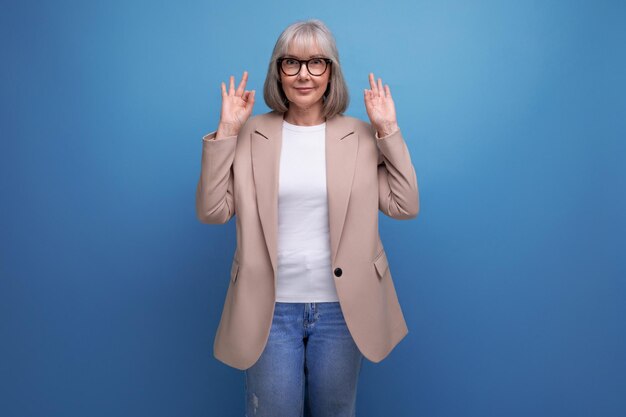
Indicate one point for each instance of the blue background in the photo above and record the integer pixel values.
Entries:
(512, 278)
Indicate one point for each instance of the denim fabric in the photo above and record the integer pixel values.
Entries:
(310, 355)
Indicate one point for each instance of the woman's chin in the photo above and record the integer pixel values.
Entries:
(304, 104)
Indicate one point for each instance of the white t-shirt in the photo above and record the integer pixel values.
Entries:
(304, 265)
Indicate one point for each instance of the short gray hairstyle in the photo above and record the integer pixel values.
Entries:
(303, 34)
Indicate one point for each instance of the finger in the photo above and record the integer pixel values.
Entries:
(387, 91)
(367, 94)
(242, 84)
(223, 89)
(231, 90)
(372, 83)
(381, 91)
(250, 99)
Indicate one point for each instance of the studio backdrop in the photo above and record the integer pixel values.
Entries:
(511, 278)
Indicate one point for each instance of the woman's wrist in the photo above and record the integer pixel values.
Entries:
(387, 129)
(225, 130)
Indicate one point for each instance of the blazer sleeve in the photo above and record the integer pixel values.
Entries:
(398, 195)
(214, 194)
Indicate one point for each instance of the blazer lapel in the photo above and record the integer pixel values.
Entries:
(341, 150)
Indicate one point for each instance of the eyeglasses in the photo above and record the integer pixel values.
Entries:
(315, 66)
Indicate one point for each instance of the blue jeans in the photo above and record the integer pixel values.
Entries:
(310, 347)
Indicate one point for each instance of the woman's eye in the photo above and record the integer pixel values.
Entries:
(317, 61)
(290, 61)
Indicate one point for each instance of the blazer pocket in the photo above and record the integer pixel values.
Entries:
(234, 270)
(381, 264)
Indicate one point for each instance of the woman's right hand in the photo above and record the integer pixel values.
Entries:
(236, 107)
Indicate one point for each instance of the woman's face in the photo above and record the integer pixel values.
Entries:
(315, 85)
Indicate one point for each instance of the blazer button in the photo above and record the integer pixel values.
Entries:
(338, 272)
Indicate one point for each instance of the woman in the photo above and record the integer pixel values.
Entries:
(310, 292)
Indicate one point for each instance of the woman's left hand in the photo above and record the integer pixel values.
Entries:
(380, 108)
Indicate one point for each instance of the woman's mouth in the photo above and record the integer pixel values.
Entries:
(304, 90)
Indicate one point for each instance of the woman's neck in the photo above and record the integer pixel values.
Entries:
(304, 117)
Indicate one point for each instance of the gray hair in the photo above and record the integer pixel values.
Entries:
(301, 35)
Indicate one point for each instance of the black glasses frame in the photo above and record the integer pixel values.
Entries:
(279, 61)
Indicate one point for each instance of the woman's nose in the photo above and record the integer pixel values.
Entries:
(304, 71)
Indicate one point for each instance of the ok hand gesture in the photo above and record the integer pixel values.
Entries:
(236, 106)
(380, 108)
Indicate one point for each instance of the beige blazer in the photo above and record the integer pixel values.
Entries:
(364, 173)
